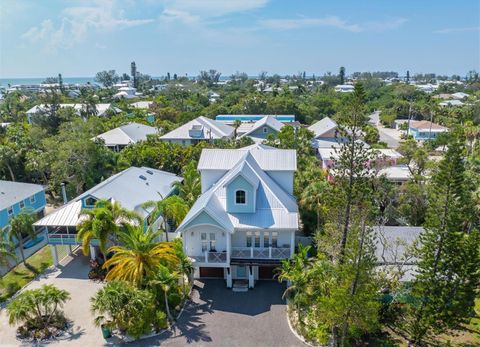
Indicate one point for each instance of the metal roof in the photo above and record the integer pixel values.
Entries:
(268, 160)
(393, 243)
(13, 192)
(323, 126)
(274, 207)
(396, 173)
(269, 121)
(211, 130)
(131, 188)
(101, 108)
(126, 134)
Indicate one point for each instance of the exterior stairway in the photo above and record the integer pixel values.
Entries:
(240, 286)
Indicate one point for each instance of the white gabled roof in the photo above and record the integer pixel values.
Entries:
(269, 121)
(268, 160)
(388, 153)
(126, 134)
(208, 128)
(274, 207)
(131, 188)
(142, 104)
(323, 126)
(399, 173)
(101, 108)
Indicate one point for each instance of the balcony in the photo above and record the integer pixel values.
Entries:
(260, 253)
(211, 257)
(67, 239)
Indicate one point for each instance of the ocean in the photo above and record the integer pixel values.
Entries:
(4, 82)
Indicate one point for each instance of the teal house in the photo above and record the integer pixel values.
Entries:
(17, 196)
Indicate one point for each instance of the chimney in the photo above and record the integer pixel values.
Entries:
(64, 193)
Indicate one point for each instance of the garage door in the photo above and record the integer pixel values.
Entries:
(211, 272)
(266, 272)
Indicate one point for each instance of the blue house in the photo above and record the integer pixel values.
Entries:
(425, 130)
(16, 196)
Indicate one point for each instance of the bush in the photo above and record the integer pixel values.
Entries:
(161, 320)
(174, 300)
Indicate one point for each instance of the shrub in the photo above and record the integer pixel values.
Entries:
(38, 310)
(161, 320)
(174, 299)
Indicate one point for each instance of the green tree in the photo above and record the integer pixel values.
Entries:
(7, 251)
(341, 74)
(37, 307)
(139, 256)
(448, 276)
(103, 223)
(190, 188)
(125, 307)
(165, 279)
(21, 226)
(107, 78)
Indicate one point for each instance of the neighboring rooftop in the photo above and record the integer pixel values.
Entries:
(230, 118)
(323, 126)
(13, 192)
(200, 128)
(126, 134)
(426, 125)
(269, 121)
(131, 188)
(101, 108)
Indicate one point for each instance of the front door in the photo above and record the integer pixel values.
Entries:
(241, 272)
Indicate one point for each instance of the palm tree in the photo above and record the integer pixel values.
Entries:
(293, 271)
(313, 198)
(21, 226)
(236, 125)
(165, 279)
(190, 188)
(139, 256)
(185, 266)
(173, 208)
(103, 222)
(7, 250)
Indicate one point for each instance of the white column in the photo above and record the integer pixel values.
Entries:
(250, 277)
(53, 249)
(292, 244)
(93, 252)
(229, 246)
(206, 256)
(229, 277)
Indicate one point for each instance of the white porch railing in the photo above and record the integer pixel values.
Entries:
(211, 257)
(260, 252)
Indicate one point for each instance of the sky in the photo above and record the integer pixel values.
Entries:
(81, 37)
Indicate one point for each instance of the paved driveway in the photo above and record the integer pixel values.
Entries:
(71, 275)
(217, 316)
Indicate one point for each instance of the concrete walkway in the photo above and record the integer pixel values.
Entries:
(71, 275)
(217, 316)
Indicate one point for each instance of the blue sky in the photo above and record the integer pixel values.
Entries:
(79, 38)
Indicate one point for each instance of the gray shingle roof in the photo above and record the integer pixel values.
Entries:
(13, 192)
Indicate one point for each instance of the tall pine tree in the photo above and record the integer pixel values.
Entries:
(449, 260)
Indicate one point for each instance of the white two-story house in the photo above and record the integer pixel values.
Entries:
(244, 222)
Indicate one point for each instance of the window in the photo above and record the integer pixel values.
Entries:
(249, 239)
(90, 201)
(203, 237)
(212, 242)
(32, 199)
(257, 239)
(240, 197)
(266, 239)
(22, 204)
(265, 130)
(10, 211)
(274, 243)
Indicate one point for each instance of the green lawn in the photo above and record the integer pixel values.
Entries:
(20, 275)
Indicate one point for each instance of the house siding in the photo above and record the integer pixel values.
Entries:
(258, 133)
(240, 183)
(202, 219)
(38, 205)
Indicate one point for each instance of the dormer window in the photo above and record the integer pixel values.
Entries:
(90, 202)
(240, 197)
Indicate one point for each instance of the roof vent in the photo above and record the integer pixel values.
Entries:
(150, 172)
(142, 177)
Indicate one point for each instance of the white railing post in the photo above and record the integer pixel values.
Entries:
(206, 256)
(251, 252)
(269, 252)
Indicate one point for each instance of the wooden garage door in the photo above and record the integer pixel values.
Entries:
(216, 272)
(266, 272)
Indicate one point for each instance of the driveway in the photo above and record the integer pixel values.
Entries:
(217, 316)
(71, 275)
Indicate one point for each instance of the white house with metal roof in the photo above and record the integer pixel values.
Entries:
(259, 130)
(118, 138)
(245, 220)
(42, 108)
(199, 129)
(131, 188)
(324, 128)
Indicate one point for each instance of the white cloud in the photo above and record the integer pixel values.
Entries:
(456, 30)
(76, 22)
(331, 21)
